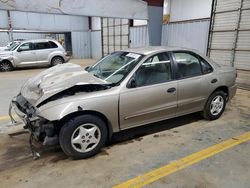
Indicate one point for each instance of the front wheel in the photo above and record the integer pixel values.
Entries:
(215, 106)
(83, 136)
(6, 66)
(57, 60)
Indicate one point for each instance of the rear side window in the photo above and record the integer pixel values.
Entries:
(52, 44)
(206, 67)
(188, 64)
(42, 45)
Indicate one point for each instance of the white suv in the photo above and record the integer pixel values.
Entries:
(33, 53)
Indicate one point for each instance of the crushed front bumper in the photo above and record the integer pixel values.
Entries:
(41, 129)
(23, 109)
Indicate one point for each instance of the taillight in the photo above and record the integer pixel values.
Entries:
(66, 53)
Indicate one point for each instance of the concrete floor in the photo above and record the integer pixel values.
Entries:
(243, 79)
(132, 152)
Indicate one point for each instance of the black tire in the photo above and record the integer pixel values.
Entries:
(71, 127)
(6, 66)
(56, 61)
(207, 112)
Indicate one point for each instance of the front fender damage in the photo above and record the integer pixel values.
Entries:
(43, 123)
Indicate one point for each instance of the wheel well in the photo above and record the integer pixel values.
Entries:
(57, 56)
(6, 60)
(222, 88)
(90, 112)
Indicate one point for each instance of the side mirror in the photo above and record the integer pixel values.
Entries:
(19, 50)
(87, 68)
(131, 83)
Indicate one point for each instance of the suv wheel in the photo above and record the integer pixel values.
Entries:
(57, 60)
(215, 106)
(83, 136)
(6, 66)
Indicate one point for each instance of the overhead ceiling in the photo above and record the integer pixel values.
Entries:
(131, 9)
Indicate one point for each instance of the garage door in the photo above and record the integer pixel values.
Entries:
(229, 39)
(115, 32)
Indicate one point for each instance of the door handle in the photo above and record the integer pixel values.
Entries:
(171, 90)
(214, 81)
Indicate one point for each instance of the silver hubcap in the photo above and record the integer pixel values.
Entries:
(86, 137)
(216, 105)
(5, 66)
(57, 61)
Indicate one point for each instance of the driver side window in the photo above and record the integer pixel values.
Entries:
(155, 70)
(26, 47)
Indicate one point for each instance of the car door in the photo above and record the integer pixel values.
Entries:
(42, 52)
(191, 85)
(150, 94)
(25, 55)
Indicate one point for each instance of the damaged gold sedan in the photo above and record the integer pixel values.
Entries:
(81, 109)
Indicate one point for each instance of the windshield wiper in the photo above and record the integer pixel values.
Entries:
(96, 75)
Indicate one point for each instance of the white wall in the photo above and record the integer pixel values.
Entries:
(191, 35)
(96, 23)
(189, 9)
(140, 22)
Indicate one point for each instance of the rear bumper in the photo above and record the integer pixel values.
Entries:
(66, 59)
(232, 91)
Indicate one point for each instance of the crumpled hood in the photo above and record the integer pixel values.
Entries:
(55, 80)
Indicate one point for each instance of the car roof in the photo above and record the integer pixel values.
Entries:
(152, 49)
(39, 40)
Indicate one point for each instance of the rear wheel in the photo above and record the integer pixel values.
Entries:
(83, 136)
(57, 60)
(6, 66)
(215, 105)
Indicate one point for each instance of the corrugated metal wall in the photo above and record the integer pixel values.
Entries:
(139, 36)
(96, 44)
(229, 42)
(44, 22)
(81, 44)
(4, 38)
(55, 23)
(4, 19)
(191, 34)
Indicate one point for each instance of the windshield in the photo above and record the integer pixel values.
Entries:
(14, 46)
(113, 68)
